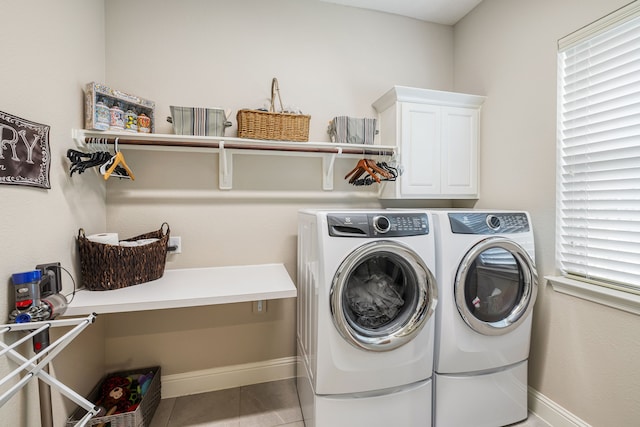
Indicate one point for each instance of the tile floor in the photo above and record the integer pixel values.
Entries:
(259, 405)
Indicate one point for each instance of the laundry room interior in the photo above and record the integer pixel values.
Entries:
(330, 59)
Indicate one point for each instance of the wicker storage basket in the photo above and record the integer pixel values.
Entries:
(104, 267)
(270, 125)
(142, 415)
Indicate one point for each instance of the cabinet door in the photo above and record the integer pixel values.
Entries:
(459, 151)
(420, 149)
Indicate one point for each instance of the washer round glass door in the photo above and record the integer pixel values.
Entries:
(495, 286)
(382, 295)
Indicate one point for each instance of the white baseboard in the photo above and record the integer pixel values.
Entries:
(552, 413)
(176, 385)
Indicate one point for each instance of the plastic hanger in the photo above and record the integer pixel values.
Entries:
(96, 155)
(109, 167)
(112, 165)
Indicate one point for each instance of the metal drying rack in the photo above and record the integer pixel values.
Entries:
(36, 366)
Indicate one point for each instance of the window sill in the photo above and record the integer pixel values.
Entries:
(620, 300)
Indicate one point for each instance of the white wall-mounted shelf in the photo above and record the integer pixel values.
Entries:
(190, 287)
(227, 146)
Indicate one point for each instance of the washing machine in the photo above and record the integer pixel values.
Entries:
(365, 332)
(487, 285)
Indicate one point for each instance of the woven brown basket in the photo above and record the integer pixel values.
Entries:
(104, 267)
(271, 125)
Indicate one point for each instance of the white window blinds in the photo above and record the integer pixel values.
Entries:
(598, 195)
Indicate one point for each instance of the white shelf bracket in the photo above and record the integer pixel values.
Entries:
(225, 168)
(328, 161)
(78, 136)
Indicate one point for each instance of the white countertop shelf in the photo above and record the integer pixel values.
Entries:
(189, 288)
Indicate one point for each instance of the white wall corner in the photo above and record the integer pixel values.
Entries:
(552, 413)
(206, 380)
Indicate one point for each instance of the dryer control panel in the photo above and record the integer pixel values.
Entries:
(383, 224)
(488, 223)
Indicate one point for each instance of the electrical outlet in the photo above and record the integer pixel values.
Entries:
(259, 307)
(54, 271)
(175, 242)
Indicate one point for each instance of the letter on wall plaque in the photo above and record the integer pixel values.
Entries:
(24, 152)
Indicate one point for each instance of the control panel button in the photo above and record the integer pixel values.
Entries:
(381, 224)
(493, 222)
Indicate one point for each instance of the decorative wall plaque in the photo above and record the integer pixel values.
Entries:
(24, 152)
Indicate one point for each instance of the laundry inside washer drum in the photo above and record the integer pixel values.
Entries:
(375, 301)
(375, 292)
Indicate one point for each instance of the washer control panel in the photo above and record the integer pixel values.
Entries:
(488, 223)
(388, 224)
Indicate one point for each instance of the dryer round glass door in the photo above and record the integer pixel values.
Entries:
(382, 295)
(495, 286)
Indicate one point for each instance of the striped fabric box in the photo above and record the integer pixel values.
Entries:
(350, 130)
(198, 121)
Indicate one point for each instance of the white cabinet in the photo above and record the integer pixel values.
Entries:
(437, 135)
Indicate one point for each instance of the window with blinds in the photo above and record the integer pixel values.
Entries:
(598, 194)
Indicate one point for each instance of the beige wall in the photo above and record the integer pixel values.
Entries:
(49, 50)
(329, 60)
(583, 355)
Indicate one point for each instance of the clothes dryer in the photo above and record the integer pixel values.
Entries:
(488, 286)
(365, 333)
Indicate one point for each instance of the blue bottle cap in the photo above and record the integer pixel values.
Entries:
(26, 277)
(23, 318)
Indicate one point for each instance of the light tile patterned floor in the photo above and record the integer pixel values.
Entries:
(273, 404)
